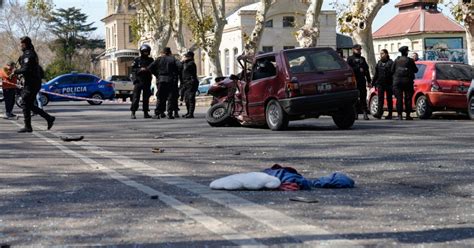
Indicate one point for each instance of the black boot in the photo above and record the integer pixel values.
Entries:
(389, 116)
(132, 116)
(146, 115)
(176, 114)
(366, 117)
(170, 115)
(28, 128)
(50, 121)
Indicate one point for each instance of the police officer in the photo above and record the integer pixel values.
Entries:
(173, 97)
(404, 69)
(31, 72)
(141, 81)
(361, 70)
(190, 83)
(384, 83)
(165, 69)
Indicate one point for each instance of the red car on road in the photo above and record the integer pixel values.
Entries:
(439, 86)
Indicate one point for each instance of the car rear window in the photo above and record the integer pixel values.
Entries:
(120, 78)
(314, 61)
(454, 72)
(421, 71)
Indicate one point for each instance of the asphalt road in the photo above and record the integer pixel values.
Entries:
(414, 182)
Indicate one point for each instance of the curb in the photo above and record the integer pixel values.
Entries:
(203, 101)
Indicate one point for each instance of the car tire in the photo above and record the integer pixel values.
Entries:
(423, 108)
(219, 115)
(97, 96)
(44, 99)
(345, 118)
(277, 119)
(470, 108)
(374, 105)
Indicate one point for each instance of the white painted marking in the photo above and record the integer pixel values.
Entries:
(208, 222)
(299, 230)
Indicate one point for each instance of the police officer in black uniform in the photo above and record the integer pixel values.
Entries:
(190, 83)
(31, 71)
(404, 69)
(383, 80)
(361, 70)
(165, 69)
(141, 81)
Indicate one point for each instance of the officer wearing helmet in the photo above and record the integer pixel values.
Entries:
(141, 81)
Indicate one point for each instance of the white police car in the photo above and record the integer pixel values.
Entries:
(77, 87)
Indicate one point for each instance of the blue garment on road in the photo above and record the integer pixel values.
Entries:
(335, 180)
(290, 175)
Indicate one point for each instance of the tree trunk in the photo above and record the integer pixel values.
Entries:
(213, 49)
(307, 35)
(253, 42)
(365, 13)
(177, 25)
(468, 19)
(160, 40)
(364, 38)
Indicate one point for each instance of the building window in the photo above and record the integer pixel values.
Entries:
(131, 37)
(288, 21)
(267, 49)
(385, 46)
(380, 48)
(236, 64)
(227, 62)
(288, 47)
(269, 24)
(391, 48)
(399, 45)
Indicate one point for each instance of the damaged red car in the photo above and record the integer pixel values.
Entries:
(276, 88)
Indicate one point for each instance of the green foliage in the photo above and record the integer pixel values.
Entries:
(42, 8)
(58, 67)
(137, 28)
(199, 26)
(71, 31)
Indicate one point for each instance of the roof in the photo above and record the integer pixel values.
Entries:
(235, 16)
(417, 21)
(404, 3)
(343, 41)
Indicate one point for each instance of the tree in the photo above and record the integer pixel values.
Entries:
(15, 24)
(207, 26)
(356, 19)
(253, 42)
(463, 12)
(71, 31)
(307, 35)
(154, 22)
(177, 26)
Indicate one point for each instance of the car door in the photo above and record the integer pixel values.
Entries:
(84, 86)
(264, 75)
(60, 86)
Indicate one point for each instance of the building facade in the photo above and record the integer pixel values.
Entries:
(425, 30)
(282, 21)
(120, 48)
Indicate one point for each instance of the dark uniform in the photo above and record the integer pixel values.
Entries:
(141, 81)
(190, 84)
(173, 97)
(384, 83)
(404, 69)
(361, 70)
(165, 69)
(31, 72)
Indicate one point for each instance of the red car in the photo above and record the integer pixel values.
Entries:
(439, 86)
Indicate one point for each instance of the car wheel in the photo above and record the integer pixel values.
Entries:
(470, 106)
(277, 119)
(219, 115)
(374, 105)
(345, 118)
(423, 108)
(44, 99)
(98, 98)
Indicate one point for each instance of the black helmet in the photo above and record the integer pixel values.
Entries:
(145, 48)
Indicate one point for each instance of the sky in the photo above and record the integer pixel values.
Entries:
(96, 10)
